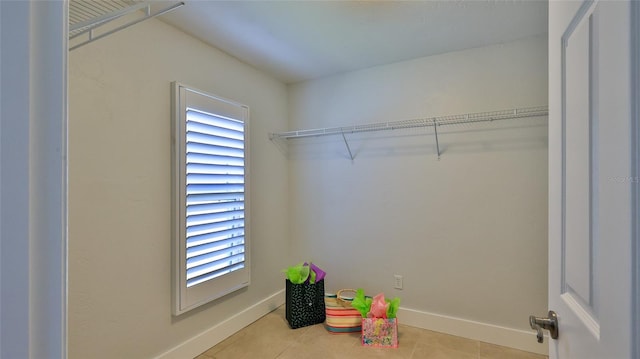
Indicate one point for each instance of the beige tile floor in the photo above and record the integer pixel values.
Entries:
(270, 337)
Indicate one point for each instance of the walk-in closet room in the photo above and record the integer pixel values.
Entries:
(321, 179)
(462, 220)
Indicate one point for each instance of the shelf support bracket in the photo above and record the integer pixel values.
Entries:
(435, 131)
(347, 144)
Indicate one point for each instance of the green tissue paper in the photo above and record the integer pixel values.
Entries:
(298, 274)
(361, 302)
(394, 304)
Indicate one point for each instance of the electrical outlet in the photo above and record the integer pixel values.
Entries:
(398, 281)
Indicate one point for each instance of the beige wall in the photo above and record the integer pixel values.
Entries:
(120, 186)
(467, 232)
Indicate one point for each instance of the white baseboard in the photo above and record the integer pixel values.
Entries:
(488, 333)
(205, 340)
(508, 337)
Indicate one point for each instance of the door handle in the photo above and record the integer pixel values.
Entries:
(550, 323)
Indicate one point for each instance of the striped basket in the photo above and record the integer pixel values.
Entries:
(341, 317)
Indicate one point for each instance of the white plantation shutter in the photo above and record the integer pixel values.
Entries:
(210, 161)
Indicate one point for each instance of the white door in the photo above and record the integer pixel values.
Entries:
(591, 179)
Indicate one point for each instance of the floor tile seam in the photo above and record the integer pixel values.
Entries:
(437, 345)
(290, 344)
(413, 350)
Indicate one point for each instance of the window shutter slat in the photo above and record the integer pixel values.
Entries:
(205, 149)
(201, 138)
(215, 265)
(218, 121)
(214, 218)
(215, 207)
(204, 258)
(214, 227)
(193, 126)
(205, 168)
(212, 275)
(214, 160)
(220, 236)
(208, 189)
(194, 199)
(214, 179)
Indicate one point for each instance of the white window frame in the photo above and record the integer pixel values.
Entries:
(186, 297)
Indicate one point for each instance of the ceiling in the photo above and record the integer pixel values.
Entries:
(301, 40)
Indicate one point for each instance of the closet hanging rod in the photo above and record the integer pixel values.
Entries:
(417, 123)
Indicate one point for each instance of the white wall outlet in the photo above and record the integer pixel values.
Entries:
(398, 281)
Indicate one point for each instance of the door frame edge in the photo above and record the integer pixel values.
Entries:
(635, 172)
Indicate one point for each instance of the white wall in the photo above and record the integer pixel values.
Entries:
(467, 232)
(120, 186)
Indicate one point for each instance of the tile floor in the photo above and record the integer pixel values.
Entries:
(270, 337)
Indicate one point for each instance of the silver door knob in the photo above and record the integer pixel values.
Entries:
(550, 323)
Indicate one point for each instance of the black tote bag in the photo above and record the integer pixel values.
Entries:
(304, 304)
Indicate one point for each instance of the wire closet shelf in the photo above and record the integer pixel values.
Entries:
(434, 122)
(416, 123)
(90, 20)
